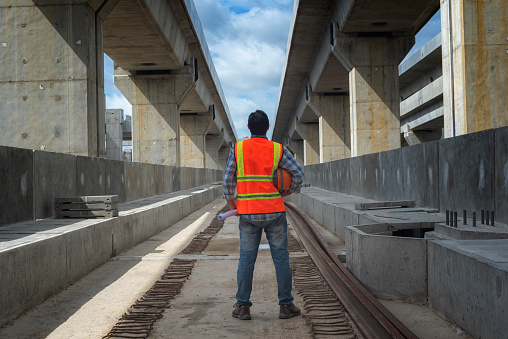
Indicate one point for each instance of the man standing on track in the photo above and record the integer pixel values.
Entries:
(250, 169)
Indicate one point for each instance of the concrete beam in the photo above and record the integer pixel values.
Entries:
(421, 99)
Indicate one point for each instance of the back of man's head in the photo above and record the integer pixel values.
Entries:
(258, 123)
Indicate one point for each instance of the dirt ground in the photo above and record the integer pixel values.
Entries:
(91, 307)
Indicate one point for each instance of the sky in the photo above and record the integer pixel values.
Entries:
(247, 40)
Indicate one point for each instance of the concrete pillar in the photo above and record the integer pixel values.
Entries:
(155, 103)
(223, 156)
(296, 146)
(114, 134)
(213, 144)
(310, 135)
(475, 65)
(374, 89)
(52, 77)
(193, 130)
(334, 127)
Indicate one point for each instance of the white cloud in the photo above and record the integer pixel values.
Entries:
(247, 40)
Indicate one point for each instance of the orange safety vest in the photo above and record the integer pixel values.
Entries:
(257, 159)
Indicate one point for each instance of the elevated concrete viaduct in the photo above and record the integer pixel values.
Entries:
(342, 52)
(53, 54)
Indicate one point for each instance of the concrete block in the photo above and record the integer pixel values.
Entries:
(468, 284)
(30, 274)
(168, 179)
(356, 176)
(466, 172)
(148, 180)
(115, 179)
(133, 181)
(370, 176)
(344, 175)
(391, 175)
(316, 211)
(159, 179)
(421, 163)
(176, 175)
(90, 176)
(54, 176)
(16, 180)
(83, 259)
(392, 268)
(329, 217)
(501, 170)
(344, 217)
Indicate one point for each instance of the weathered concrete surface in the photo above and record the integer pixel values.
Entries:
(310, 134)
(90, 176)
(390, 267)
(467, 172)
(16, 175)
(54, 176)
(155, 114)
(114, 134)
(467, 284)
(457, 173)
(475, 66)
(372, 63)
(56, 253)
(334, 125)
(193, 131)
(501, 170)
(53, 76)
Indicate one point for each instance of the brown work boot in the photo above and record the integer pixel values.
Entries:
(242, 312)
(289, 311)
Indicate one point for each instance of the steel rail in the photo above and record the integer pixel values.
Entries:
(370, 316)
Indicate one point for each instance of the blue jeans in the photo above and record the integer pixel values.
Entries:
(250, 235)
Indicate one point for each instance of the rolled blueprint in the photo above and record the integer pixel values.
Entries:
(227, 214)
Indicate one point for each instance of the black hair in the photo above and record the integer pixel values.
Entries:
(258, 123)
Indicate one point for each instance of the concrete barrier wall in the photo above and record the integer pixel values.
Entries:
(64, 250)
(30, 180)
(392, 268)
(468, 288)
(467, 172)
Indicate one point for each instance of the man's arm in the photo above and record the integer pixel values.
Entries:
(289, 163)
(229, 180)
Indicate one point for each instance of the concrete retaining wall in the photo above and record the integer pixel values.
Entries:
(30, 180)
(467, 172)
(50, 254)
(390, 267)
(468, 287)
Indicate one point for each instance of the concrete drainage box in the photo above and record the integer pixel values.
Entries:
(390, 259)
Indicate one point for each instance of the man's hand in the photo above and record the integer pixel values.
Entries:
(232, 204)
(285, 193)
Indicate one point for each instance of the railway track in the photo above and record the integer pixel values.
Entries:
(369, 316)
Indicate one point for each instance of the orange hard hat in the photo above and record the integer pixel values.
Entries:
(282, 179)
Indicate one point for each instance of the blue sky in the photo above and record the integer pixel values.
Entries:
(247, 40)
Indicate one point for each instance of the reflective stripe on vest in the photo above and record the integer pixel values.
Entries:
(256, 192)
